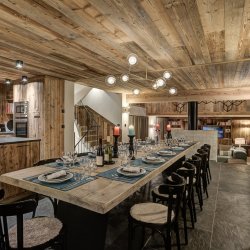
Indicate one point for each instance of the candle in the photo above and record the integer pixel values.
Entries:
(131, 130)
(116, 131)
(168, 127)
(157, 126)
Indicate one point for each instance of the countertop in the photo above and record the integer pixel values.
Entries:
(10, 140)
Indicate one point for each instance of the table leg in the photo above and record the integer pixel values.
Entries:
(84, 229)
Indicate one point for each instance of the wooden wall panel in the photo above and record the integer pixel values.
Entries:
(241, 129)
(46, 118)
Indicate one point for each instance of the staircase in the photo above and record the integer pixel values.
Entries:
(90, 126)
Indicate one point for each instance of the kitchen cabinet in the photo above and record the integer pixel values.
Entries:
(15, 156)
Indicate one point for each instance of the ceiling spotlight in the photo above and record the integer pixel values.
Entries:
(136, 91)
(19, 64)
(7, 81)
(125, 77)
(160, 82)
(132, 59)
(172, 91)
(167, 75)
(24, 79)
(110, 80)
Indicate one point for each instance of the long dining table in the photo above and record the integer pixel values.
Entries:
(84, 209)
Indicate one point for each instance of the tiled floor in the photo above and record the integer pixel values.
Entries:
(224, 223)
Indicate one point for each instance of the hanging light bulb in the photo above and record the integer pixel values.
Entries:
(19, 64)
(124, 77)
(110, 80)
(24, 79)
(132, 59)
(172, 91)
(167, 75)
(7, 81)
(136, 91)
(160, 82)
(155, 86)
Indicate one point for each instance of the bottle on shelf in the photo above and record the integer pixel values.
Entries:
(99, 155)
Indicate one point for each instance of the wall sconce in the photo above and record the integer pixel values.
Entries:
(125, 109)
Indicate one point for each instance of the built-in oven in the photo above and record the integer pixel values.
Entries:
(21, 109)
(21, 119)
(21, 127)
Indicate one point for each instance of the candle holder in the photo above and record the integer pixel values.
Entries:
(131, 147)
(169, 135)
(115, 147)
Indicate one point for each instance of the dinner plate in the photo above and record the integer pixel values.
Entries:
(177, 148)
(156, 161)
(184, 144)
(61, 179)
(142, 172)
(166, 153)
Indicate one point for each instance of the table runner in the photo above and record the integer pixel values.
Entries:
(64, 186)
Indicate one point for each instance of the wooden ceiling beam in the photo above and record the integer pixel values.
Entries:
(194, 95)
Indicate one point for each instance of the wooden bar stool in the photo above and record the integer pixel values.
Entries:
(196, 161)
(207, 148)
(36, 233)
(158, 217)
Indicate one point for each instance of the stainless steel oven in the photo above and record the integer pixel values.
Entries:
(21, 109)
(21, 128)
(21, 119)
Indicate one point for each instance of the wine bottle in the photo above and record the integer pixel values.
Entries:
(110, 154)
(106, 154)
(99, 155)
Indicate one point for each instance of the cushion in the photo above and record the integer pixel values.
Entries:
(36, 231)
(238, 154)
(153, 213)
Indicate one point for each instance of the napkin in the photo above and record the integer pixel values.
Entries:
(56, 175)
(131, 169)
(165, 152)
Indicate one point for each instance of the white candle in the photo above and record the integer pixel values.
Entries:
(131, 130)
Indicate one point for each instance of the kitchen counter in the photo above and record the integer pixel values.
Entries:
(11, 140)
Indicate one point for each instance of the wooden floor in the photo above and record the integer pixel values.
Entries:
(224, 223)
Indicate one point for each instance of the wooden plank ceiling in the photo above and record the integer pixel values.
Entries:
(205, 44)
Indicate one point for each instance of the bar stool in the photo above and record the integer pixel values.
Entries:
(196, 161)
(158, 217)
(207, 148)
(36, 233)
(187, 171)
(203, 155)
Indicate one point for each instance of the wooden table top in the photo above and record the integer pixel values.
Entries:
(100, 195)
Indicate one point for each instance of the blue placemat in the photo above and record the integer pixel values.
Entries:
(113, 175)
(65, 186)
(61, 165)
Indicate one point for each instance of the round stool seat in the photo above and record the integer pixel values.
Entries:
(36, 231)
(152, 213)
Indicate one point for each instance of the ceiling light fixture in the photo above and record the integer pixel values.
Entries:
(110, 80)
(124, 77)
(19, 64)
(136, 91)
(24, 79)
(167, 75)
(7, 81)
(132, 58)
(172, 91)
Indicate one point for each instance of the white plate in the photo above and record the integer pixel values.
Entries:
(184, 144)
(156, 161)
(142, 171)
(61, 179)
(166, 153)
(177, 148)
